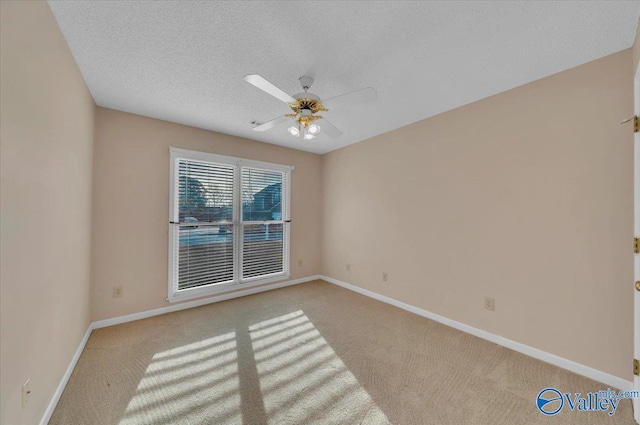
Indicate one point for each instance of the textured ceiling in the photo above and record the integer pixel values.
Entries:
(185, 61)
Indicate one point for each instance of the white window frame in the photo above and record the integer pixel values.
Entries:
(175, 154)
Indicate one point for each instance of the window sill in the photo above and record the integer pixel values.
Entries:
(200, 292)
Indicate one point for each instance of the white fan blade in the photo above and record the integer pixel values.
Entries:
(328, 128)
(270, 124)
(353, 98)
(265, 85)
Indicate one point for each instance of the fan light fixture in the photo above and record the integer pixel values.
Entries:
(294, 131)
(307, 133)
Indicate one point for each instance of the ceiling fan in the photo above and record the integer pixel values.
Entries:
(306, 106)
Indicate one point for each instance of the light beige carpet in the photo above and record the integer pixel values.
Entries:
(309, 354)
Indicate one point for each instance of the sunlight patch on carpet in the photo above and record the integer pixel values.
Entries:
(182, 383)
(302, 379)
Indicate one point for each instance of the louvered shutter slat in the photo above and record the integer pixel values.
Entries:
(206, 255)
(262, 245)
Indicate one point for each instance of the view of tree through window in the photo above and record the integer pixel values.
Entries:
(205, 192)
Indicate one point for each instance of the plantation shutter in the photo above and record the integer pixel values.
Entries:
(262, 222)
(204, 234)
(229, 222)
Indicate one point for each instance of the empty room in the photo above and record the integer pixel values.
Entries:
(319, 212)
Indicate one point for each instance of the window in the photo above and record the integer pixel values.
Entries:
(228, 223)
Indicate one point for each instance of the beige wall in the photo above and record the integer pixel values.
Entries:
(636, 49)
(46, 133)
(526, 196)
(131, 205)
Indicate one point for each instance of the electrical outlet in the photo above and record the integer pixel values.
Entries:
(26, 393)
(348, 267)
(384, 276)
(489, 303)
(117, 291)
(300, 263)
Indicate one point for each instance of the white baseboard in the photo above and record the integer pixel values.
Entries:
(191, 304)
(65, 378)
(580, 369)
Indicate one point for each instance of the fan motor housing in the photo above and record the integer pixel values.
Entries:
(306, 95)
(307, 101)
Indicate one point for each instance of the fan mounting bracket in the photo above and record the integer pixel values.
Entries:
(305, 82)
